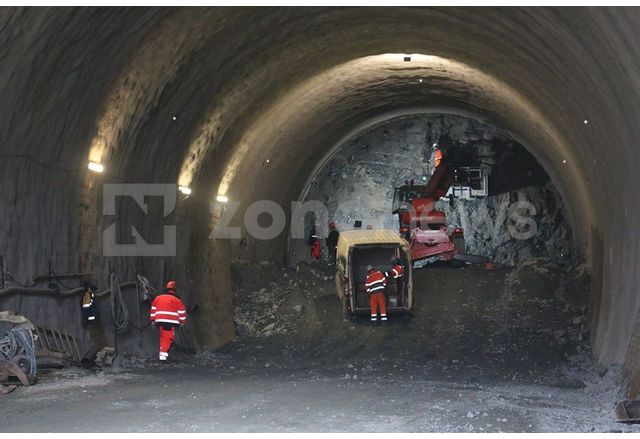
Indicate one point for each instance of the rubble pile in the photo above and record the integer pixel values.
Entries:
(559, 304)
(467, 324)
(272, 300)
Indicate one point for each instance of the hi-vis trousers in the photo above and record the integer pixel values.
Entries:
(378, 300)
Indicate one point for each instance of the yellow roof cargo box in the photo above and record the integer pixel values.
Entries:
(358, 249)
(352, 238)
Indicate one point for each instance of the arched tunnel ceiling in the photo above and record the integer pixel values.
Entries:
(222, 93)
(318, 112)
(288, 84)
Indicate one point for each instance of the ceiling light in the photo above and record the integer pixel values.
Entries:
(222, 198)
(420, 80)
(185, 190)
(174, 117)
(586, 121)
(96, 167)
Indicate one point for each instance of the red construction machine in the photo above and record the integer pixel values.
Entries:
(424, 226)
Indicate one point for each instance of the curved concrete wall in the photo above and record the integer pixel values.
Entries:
(250, 84)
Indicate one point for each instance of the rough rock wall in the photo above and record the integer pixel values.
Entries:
(493, 227)
(358, 182)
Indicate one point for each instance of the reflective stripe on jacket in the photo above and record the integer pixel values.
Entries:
(375, 281)
(167, 308)
(397, 271)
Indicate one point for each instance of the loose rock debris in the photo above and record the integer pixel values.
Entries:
(496, 350)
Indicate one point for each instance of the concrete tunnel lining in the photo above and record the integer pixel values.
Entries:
(369, 80)
(565, 82)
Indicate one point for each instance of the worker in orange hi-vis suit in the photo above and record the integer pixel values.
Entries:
(168, 313)
(376, 283)
(437, 156)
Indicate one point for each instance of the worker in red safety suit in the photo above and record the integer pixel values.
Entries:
(315, 248)
(168, 313)
(376, 284)
(397, 273)
(314, 244)
(437, 156)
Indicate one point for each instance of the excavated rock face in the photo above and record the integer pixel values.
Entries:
(515, 226)
(358, 181)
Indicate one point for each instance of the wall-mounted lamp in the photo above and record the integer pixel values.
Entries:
(96, 167)
(185, 190)
(222, 199)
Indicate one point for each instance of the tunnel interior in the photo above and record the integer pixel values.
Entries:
(179, 143)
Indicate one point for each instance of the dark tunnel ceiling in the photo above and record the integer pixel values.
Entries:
(288, 84)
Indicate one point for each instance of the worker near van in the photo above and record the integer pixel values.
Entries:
(315, 248)
(332, 242)
(168, 313)
(314, 244)
(397, 273)
(376, 284)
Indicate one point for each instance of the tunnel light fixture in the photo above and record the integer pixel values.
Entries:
(174, 117)
(586, 121)
(96, 167)
(222, 199)
(420, 80)
(564, 161)
(185, 190)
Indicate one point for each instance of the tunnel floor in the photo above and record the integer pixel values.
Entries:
(496, 351)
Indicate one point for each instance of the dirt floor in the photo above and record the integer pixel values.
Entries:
(483, 351)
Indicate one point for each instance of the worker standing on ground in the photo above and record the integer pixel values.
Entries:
(314, 244)
(376, 284)
(168, 313)
(397, 273)
(332, 242)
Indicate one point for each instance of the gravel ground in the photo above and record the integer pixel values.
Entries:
(485, 351)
